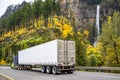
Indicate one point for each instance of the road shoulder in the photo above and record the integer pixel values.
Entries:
(5, 77)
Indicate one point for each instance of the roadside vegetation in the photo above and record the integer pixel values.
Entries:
(40, 22)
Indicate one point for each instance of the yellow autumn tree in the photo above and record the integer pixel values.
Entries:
(110, 39)
(94, 57)
(63, 24)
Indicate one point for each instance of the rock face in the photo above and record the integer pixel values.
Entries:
(83, 10)
(85, 13)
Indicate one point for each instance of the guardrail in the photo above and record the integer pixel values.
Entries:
(99, 69)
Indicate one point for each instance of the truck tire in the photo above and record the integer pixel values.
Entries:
(43, 69)
(20, 67)
(54, 70)
(70, 72)
(48, 69)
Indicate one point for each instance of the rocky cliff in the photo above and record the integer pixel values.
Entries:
(85, 12)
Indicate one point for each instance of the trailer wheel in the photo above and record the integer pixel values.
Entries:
(48, 69)
(20, 67)
(43, 69)
(70, 72)
(54, 70)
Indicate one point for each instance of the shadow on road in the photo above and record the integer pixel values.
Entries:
(39, 71)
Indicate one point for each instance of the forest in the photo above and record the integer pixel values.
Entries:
(42, 21)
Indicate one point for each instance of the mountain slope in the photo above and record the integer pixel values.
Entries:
(11, 9)
(39, 22)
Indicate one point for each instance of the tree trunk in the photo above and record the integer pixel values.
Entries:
(33, 22)
(46, 21)
(37, 19)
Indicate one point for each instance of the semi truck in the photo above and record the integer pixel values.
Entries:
(56, 56)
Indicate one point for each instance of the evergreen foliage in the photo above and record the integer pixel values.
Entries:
(40, 22)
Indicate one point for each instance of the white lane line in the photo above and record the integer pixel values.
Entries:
(6, 76)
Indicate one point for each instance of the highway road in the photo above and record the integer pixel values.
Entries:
(37, 75)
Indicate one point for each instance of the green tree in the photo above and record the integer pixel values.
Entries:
(92, 61)
(11, 21)
(55, 7)
(46, 11)
(3, 26)
(26, 14)
(80, 53)
(37, 9)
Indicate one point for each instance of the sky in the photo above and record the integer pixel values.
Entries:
(5, 3)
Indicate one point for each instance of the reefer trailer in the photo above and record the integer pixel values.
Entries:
(53, 57)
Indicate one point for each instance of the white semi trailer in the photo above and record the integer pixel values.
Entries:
(53, 57)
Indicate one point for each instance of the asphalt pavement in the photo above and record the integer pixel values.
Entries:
(37, 75)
